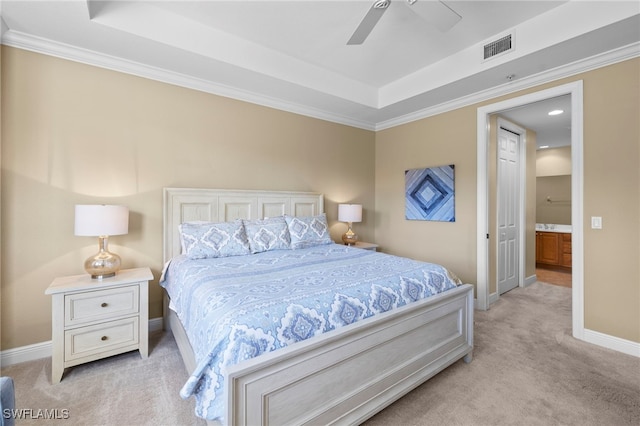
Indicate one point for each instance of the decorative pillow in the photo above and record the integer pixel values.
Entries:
(308, 231)
(267, 234)
(204, 240)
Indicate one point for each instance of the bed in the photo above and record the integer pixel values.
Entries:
(335, 367)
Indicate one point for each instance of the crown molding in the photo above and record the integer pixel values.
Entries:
(588, 64)
(72, 53)
(64, 51)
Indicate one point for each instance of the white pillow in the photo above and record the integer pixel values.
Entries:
(206, 239)
(267, 234)
(308, 231)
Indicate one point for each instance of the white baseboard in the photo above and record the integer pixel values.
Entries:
(43, 349)
(25, 353)
(156, 324)
(610, 342)
(493, 298)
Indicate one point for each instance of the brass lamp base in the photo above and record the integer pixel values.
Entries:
(349, 237)
(104, 264)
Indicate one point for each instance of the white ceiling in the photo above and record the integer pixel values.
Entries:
(293, 55)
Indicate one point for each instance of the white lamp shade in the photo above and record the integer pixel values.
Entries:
(350, 212)
(98, 220)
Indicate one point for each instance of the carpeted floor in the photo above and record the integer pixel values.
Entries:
(120, 390)
(527, 370)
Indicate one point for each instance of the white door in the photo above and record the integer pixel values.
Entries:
(508, 196)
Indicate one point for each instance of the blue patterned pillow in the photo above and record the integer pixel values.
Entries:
(204, 240)
(308, 231)
(267, 234)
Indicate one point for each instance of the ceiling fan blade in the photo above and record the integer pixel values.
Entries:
(435, 13)
(369, 22)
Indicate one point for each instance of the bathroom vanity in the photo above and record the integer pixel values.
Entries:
(553, 245)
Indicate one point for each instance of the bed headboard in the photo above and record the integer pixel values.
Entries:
(224, 205)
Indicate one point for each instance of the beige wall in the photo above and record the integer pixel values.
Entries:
(612, 191)
(611, 181)
(553, 161)
(431, 142)
(553, 199)
(553, 171)
(75, 134)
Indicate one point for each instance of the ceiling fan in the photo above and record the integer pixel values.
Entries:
(434, 12)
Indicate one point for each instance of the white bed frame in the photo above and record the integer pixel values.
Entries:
(344, 376)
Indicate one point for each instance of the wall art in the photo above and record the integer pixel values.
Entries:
(430, 194)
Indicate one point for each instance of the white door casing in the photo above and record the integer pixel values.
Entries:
(575, 89)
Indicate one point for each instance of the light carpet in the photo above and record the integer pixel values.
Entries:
(526, 370)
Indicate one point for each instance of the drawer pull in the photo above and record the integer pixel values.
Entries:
(103, 338)
(104, 304)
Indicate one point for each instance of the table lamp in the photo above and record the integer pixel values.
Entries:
(349, 213)
(101, 221)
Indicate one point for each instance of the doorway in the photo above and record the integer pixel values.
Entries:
(485, 293)
(547, 188)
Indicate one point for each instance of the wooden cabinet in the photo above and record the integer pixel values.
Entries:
(566, 260)
(553, 248)
(547, 248)
(93, 319)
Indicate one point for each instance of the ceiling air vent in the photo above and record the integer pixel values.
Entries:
(501, 45)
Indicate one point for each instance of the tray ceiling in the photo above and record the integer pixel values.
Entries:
(293, 55)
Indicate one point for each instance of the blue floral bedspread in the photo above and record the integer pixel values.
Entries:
(236, 308)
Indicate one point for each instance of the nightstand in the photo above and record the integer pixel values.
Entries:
(366, 246)
(93, 319)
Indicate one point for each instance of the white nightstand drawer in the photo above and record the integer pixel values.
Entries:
(96, 305)
(93, 319)
(96, 339)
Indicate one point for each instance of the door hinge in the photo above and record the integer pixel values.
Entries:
(487, 236)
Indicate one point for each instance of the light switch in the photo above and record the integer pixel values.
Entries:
(596, 222)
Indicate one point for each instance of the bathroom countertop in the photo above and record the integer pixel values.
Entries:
(553, 227)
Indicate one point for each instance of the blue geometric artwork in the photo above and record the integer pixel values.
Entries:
(430, 194)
